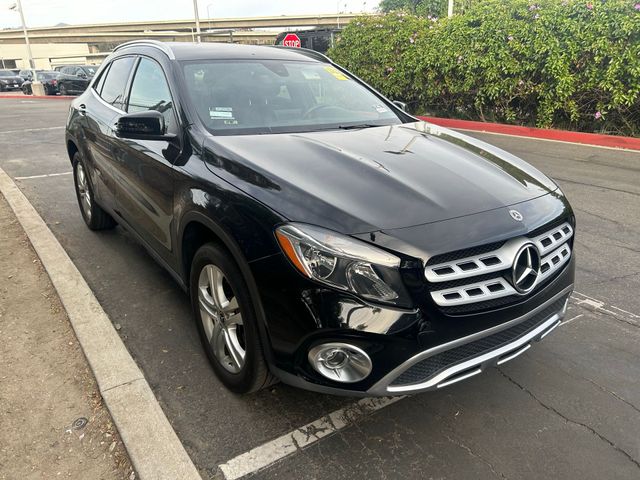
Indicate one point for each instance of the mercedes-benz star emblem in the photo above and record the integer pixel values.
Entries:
(516, 215)
(526, 268)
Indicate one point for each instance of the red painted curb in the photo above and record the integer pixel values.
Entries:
(613, 141)
(32, 97)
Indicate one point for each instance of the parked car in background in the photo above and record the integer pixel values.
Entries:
(26, 74)
(9, 81)
(49, 80)
(74, 79)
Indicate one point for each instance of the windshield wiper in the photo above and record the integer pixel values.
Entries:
(357, 127)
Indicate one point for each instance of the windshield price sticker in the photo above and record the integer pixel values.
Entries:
(336, 73)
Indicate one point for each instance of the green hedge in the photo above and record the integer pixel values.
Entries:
(564, 64)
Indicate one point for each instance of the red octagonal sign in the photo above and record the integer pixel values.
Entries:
(292, 40)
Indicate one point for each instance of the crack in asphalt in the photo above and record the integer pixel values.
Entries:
(570, 421)
(613, 394)
(476, 455)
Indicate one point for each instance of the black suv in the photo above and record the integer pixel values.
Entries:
(74, 79)
(326, 237)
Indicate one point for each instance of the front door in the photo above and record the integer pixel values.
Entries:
(144, 190)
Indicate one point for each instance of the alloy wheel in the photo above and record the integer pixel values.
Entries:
(84, 193)
(221, 318)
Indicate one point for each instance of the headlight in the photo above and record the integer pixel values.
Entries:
(343, 262)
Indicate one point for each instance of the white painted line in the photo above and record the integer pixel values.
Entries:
(617, 149)
(571, 319)
(43, 176)
(153, 446)
(32, 129)
(625, 311)
(281, 447)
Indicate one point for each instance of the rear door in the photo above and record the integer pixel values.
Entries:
(145, 184)
(103, 106)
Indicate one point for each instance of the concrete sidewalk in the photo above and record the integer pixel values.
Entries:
(53, 423)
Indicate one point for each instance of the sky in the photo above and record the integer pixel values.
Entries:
(41, 13)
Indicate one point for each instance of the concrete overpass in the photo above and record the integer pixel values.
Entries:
(177, 30)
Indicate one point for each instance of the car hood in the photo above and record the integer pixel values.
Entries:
(12, 79)
(378, 178)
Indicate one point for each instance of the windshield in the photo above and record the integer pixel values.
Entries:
(271, 96)
(7, 73)
(47, 75)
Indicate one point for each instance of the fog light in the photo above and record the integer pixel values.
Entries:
(340, 362)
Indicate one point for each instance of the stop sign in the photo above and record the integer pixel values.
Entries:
(292, 40)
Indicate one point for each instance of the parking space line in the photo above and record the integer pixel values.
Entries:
(33, 129)
(281, 447)
(43, 176)
(571, 319)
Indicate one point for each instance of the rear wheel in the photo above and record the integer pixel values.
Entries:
(94, 216)
(226, 321)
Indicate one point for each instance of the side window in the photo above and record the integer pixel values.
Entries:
(98, 85)
(115, 82)
(150, 91)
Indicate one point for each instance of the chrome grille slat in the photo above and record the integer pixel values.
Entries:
(563, 254)
(548, 241)
(554, 250)
(441, 296)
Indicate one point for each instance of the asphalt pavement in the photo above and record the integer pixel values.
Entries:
(568, 408)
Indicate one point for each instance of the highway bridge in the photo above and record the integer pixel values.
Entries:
(243, 30)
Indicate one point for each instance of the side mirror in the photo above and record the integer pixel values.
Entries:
(82, 75)
(401, 105)
(147, 125)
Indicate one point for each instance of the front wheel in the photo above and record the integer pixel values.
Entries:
(226, 321)
(92, 213)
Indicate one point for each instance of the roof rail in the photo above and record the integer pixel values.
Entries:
(148, 43)
(306, 52)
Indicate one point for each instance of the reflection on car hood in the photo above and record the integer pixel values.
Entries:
(12, 78)
(374, 178)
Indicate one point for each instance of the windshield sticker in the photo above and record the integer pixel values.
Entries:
(336, 73)
(310, 75)
(221, 113)
(381, 108)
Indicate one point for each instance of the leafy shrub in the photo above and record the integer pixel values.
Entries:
(570, 64)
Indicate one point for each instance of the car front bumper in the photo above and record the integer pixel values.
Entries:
(411, 350)
(466, 357)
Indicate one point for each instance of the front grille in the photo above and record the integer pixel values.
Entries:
(467, 252)
(427, 368)
(479, 278)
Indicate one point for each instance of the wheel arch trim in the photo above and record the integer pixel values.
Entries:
(229, 243)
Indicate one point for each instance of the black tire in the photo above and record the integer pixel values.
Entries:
(92, 213)
(2, 88)
(254, 374)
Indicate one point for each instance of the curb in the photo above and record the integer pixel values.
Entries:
(38, 97)
(152, 444)
(596, 139)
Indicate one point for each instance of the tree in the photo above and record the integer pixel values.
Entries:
(424, 8)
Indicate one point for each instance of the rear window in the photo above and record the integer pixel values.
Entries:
(115, 81)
